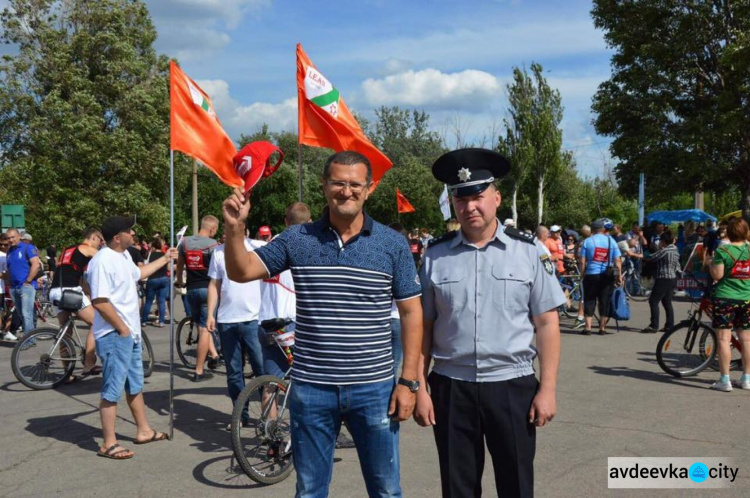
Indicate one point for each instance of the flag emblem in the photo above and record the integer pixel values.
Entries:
(199, 99)
(320, 92)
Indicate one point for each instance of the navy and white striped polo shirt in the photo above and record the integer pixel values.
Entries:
(344, 293)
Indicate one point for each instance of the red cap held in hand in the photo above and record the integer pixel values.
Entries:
(252, 162)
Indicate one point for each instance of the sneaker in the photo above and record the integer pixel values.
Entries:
(585, 332)
(649, 330)
(213, 363)
(722, 386)
(10, 337)
(665, 329)
(579, 323)
(202, 377)
(744, 383)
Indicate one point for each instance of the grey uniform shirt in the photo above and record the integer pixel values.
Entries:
(481, 301)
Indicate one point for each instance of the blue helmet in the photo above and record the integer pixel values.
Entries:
(605, 223)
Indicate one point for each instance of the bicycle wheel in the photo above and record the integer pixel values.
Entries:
(147, 354)
(685, 351)
(637, 288)
(38, 364)
(187, 342)
(262, 445)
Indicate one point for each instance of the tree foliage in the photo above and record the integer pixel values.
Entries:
(678, 100)
(83, 115)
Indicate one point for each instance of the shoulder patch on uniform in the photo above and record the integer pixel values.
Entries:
(519, 235)
(443, 238)
(547, 263)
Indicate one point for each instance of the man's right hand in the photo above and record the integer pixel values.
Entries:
(235, 209)
(211, 323)
(424, 412)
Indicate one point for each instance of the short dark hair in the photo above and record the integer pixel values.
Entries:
(738, 230)
(157, 243)
(347, 158)
(667, 236)
(91, 231)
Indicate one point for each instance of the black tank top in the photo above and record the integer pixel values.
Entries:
(70, 267)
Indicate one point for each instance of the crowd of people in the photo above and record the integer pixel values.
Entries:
(378, 313)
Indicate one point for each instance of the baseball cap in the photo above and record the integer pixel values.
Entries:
(264, 230)
(116, 224)
(509, 222)
(555, 228)
(253, 162)
(26, 236)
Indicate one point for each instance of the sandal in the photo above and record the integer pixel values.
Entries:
(156, 436)
(113, 455)
(72, 380)
(95, 370)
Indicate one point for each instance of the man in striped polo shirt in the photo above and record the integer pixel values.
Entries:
(346, 268)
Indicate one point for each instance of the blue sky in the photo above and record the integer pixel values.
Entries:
(451, 58)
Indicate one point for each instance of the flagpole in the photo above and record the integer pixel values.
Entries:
(299, 161)
(171, 297)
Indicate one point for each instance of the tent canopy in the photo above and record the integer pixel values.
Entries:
(735, 214)
(680, 216)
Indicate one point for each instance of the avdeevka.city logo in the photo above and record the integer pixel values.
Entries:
(698, 472)
(200, 100)
(320, 92)
(678, 472)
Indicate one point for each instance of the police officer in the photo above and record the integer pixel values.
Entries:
(485, 290)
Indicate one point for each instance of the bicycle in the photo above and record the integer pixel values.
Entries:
(573, 284)
(636, 287)
(45, 357)
(262, 445)
(186, 341)
(677, 352)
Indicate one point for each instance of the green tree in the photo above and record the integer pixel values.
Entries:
(84, 112)
(533, 137)
(677, 101)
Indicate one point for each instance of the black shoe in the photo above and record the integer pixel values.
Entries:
(202, 377)
(585, 332)
(649, 330)
(213, 363)
(602, 332)
(665, 329)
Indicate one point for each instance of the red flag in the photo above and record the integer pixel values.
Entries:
(195, 129)
(325, 120)
(404, 206)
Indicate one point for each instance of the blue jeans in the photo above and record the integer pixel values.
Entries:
(236, 337)
(159, 288)
(274, 360)
(317, 411)
(398, 354)
(122, 366)
(23, 298)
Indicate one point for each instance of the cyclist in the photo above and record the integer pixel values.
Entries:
(70, 267)
(195, 256)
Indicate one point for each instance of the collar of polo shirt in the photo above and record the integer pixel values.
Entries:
(325, 220)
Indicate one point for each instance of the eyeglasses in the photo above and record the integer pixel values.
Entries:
(355, 187)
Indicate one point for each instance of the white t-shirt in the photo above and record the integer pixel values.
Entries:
(3, 269)
(113, 275)
(277, 297)
(237, 302)
(394, 311)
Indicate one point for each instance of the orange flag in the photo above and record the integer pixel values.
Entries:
(325, 120)
(404, 206)
(195, 129)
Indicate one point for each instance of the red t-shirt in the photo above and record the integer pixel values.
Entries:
(556, 250)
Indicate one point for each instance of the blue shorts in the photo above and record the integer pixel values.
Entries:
(198, 300)
(122, 366)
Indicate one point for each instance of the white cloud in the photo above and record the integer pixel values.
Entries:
(469, 90)
(197, 29)
(238, 119)
(394, 66)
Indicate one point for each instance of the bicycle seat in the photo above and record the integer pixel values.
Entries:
(275, 323)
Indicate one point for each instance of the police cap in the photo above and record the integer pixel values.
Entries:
(470, 171)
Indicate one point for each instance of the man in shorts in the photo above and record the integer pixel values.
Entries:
(113, 278)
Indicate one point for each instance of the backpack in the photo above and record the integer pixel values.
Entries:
(619, 309)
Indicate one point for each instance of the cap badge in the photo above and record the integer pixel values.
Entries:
(464, 174)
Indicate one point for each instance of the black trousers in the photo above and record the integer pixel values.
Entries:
(467, 414)
(662, 293)
(597, 288)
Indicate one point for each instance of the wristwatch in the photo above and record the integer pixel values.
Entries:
(413, 385)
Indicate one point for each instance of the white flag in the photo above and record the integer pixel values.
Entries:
(445, 205)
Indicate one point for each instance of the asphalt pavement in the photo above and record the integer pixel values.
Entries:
(613, 400)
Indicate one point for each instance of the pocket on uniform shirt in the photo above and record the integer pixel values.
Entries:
(450, 288)
(512, 287)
